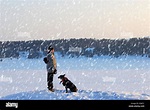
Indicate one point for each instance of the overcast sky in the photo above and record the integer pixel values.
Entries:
(54, 19)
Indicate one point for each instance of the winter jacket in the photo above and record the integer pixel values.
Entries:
(51, 64)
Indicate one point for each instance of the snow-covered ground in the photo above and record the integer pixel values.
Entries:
(97, 78)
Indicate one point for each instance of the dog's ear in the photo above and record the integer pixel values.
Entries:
(63, 76)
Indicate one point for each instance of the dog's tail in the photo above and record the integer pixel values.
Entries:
(76, 89)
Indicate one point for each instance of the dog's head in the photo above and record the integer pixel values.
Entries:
(61, 76)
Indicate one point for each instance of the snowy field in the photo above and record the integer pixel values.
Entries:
(97, 78)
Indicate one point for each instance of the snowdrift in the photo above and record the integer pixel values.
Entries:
(80, 95)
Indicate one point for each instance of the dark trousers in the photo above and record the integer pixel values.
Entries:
(50, 80)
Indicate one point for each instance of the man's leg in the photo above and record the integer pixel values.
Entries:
(50, 81)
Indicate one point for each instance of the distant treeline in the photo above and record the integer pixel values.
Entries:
(77, 47)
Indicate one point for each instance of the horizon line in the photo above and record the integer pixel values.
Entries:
(75, 39)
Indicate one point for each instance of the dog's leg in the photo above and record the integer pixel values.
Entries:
(66, 89)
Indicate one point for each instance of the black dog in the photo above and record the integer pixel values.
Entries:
(67, 83)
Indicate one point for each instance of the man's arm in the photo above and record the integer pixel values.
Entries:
(45, 60)
(54, 61)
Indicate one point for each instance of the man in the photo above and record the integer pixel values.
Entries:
(51, 67)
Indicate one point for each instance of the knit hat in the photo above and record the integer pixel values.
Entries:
(50, 48)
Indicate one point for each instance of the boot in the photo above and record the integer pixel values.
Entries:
(50, 89)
